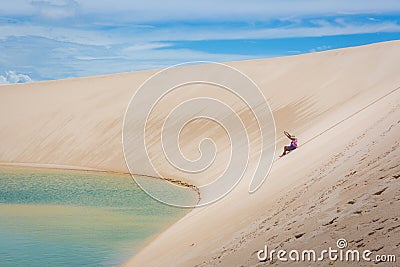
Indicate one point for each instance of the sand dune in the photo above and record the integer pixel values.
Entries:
(342, 104)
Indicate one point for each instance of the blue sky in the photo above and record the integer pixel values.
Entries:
(56, 39)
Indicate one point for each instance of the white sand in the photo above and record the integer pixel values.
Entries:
(343, 106)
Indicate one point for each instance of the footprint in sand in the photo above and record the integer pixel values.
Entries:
(331, 221)
(380, 191)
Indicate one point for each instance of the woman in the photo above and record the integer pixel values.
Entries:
(293, 144)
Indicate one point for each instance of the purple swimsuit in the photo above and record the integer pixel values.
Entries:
(294, 142)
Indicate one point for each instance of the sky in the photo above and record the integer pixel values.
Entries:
(58, 39)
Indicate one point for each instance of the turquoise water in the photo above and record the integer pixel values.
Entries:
(76, 218)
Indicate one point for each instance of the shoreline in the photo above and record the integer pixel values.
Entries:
(93, 170)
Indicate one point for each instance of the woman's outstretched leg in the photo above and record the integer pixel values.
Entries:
(284, 151)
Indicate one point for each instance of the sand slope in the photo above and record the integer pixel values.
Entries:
(74, 122)
(342, 104)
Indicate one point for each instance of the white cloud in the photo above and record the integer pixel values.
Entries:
(271, 33)
(13, 77)
(49, 59)
(64, 38)
(255, 10)
(58, 33)
(320, 48)
(148, 46)
(123, 21)
(218, 10)
(56, 10)
(152, 39)
(145, 59)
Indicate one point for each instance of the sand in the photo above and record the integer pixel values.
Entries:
(342, 182)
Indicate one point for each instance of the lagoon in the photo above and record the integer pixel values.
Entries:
(72, 218)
